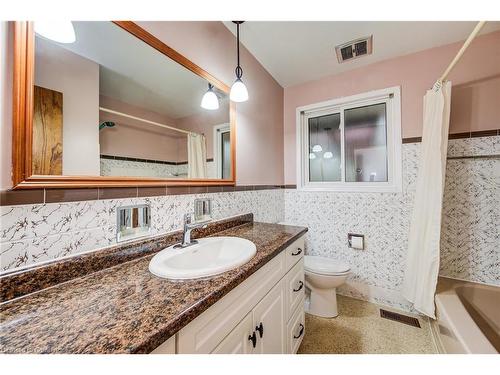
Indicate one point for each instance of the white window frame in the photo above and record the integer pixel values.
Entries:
(392, 98)
(217, 145)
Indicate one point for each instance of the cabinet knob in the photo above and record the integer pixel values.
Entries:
(299, 251)
(300, 333)
(260, 328)
(253, 339)
(301, 285)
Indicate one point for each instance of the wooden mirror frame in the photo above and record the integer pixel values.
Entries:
(22, 143)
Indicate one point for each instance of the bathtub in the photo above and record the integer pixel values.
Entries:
(468, 317)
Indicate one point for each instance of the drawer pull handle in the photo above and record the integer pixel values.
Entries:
(300, 333)
(301, 285)
(260, 328)
(253, 339)
(299, 251)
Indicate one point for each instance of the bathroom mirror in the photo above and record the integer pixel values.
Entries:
(118, 107)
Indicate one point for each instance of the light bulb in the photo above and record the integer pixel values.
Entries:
(239, 92)
(317, 148)
(327, 155)
(210, 100)
(312, 156)
(58, 31)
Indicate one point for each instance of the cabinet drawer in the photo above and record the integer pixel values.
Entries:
(295, 330)
(295, 287)
(294, 252)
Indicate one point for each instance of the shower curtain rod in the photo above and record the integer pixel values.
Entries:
(469, 40)
(144, 120)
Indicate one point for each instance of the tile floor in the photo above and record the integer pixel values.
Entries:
(360, 329)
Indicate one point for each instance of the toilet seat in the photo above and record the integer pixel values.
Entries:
(325, 266)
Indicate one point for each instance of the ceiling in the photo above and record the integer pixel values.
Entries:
(133, 72)
(297, 52)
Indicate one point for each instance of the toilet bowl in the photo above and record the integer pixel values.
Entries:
(323, 276)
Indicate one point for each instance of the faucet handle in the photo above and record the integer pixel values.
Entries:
(188, 218)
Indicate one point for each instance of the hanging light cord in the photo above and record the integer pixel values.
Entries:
(238, 70)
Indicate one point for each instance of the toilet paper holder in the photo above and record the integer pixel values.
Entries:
(357, 238)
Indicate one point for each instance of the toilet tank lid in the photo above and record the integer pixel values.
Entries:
(325, 266)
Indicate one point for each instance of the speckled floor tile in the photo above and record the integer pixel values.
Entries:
(359, 329)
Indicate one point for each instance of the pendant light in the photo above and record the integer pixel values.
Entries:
(317, 148)
(58, 31)
(239, 92)
(210, 100)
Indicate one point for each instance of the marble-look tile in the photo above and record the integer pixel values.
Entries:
(32, 234)
(470, 230)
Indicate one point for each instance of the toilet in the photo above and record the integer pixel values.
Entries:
(323, 276)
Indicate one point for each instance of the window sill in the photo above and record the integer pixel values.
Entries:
(353, 189)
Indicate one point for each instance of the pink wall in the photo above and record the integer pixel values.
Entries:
(137, 139)
(77, 78)
(475, 98)
(212, 46)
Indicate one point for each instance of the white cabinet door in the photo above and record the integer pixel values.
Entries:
(239, 340)
(269, 319)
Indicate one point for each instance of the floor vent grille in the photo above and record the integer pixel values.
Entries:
(399, 318)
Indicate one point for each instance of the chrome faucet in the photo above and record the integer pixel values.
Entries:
(188, 227)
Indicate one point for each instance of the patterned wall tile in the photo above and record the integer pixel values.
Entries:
(37, 233)
(470, 244)
(118, 167)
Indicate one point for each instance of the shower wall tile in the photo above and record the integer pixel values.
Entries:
(36, 233)
(118, 167)
(470, 232)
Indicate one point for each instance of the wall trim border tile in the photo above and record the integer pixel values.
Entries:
(55, 195)
(474, 134)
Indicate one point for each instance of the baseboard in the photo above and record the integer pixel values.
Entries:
(376, 294)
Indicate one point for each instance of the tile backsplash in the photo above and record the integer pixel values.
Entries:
(42, 232)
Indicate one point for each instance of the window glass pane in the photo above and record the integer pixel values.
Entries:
(366, 143)
(324, 148)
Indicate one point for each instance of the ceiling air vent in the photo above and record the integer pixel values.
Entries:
(354, 49)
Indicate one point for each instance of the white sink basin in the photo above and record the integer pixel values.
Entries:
(211, 256)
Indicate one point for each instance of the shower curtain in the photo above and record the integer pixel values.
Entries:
(422, 262)
(197, 156)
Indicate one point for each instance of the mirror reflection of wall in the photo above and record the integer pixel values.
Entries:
(115, 106)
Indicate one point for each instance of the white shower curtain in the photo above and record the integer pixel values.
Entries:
(197, 156)
(422, 262)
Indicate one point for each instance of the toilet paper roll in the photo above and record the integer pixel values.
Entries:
(357, 242)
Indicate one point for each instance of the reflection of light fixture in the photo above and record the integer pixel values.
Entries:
(58, 31)
(328, 155)
(210, 100)
(312, 156)
(317, 148)
(239, 92)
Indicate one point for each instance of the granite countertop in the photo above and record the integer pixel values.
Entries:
(124, 308)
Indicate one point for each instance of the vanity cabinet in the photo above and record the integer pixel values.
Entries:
(264, 314)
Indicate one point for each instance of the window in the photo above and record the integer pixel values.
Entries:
(351, 144)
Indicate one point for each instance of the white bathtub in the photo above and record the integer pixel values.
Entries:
(468, 317)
